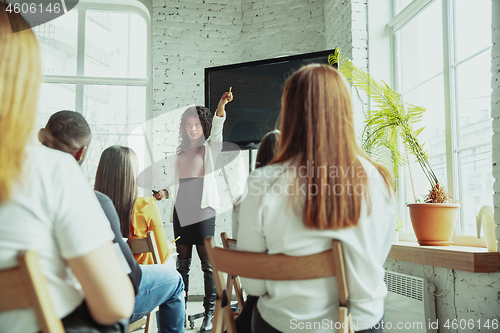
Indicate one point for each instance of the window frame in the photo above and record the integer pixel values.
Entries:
(452, 131)
(80, 79)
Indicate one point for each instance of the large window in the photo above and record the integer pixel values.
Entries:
(443, 63)
(95, 61)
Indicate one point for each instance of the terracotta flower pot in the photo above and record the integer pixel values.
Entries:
(433, 223)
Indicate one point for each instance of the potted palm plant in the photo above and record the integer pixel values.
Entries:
(391, 121)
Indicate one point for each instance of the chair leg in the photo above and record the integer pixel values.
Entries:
(137, 324)
(351, 328)
(344, 319)
(148, 323)
(217, 323)
(238, 291)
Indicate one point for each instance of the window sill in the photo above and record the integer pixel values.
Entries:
(462, 258)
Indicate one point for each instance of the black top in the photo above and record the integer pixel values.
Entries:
(110, 211)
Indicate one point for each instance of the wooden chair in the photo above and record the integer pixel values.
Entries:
(275, 267)
(233, 280)
(25, 286)
(138, 246)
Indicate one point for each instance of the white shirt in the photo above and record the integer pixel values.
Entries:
(213, 146)
(270, 223)
(53, 211)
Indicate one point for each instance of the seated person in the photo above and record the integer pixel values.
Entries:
(147, 217)
(46, 205)
(160, 284)
(69, 132)
(324, 187)
(268, 149)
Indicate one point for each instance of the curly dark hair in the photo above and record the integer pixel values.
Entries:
(205, 117)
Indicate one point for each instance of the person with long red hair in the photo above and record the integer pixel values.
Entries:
(320, 186)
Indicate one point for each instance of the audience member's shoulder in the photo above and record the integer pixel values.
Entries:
(142, 202)
(47, 161)
(51, 156)
(375, 178)
(269, 172)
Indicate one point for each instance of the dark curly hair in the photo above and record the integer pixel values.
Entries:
(205, 117)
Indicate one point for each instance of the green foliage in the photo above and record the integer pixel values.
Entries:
(391, 119)
(399, 224)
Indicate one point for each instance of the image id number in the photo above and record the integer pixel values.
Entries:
(33, 8)
(472, 324)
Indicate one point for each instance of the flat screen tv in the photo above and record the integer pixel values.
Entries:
(257, 87)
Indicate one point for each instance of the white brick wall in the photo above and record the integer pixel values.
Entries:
(281, 27)
(495, 108)
(190, 35)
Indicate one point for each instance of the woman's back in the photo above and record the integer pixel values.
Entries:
(53, 211)
(271, 220)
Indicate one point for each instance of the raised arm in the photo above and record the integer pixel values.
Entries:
(226, 98)
(218, 122)
(108, 290)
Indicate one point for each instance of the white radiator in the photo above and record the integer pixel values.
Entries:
(409, 305)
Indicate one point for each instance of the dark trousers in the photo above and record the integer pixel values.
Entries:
(80, 321)
(261, 326)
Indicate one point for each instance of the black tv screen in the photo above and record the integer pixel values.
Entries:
(257, 87)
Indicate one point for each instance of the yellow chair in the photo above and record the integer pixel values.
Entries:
(281, 267)
(24, 287)
(138, 246)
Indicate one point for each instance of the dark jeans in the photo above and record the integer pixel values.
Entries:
(243, 322)
(374, 329)
(80, 321)
(261, 326)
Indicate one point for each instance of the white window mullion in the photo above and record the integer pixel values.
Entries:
(96, 80)
(79, 98)
(455, 168)
(410, 11)
(449, 87)
(80, 58)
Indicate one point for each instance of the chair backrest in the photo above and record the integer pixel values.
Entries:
(137, 246)
(233, 281)
(279, 267)
(145, 245)
(228, 243)
(25, 286)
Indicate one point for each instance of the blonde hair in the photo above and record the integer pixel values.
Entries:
(20, 77)
(317, 130)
